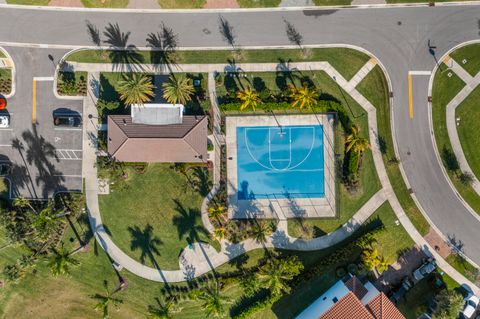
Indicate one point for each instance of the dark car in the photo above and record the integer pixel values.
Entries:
(406, 286)
(67, 120)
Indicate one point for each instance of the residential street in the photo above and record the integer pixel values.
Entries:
(398, 37)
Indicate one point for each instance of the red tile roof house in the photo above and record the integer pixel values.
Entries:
(350, 299)
(158, 133)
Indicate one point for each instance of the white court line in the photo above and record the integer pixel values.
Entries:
(43, 78)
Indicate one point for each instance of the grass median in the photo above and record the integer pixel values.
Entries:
(346, 61)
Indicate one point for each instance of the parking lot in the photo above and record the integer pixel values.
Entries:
(44, 158)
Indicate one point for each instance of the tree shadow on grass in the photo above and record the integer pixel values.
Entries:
(201, 180)
(148, 243)
(124, 56)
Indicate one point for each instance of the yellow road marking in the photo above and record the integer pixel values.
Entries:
(34, 102)
(410, 100)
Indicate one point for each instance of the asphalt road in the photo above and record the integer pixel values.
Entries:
(397, 36)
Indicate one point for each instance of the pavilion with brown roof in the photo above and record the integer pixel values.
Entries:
(178, 139)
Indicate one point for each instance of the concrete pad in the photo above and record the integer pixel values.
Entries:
(65, 3)
(273, 207)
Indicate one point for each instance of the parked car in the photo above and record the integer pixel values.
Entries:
(471, 304)
(407, 284)
(67, 120)
(4, 121)
(424, 270)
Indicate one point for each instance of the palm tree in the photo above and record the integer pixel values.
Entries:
(22, 202)
(249, 97)
(260, 232)
(104, 301)
(219, 233)
(136, 88)
(373, 261)
(60, 261)
(45, 223)
(355, 142)
(216, 212)
(213, 301)
(304, 97)
(178, 90)
(276, 274)
(163, 309)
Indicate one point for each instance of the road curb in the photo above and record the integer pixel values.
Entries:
(243, 10)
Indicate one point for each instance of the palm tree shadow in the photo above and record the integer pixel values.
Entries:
(148, 243)
(40, 154)
(189, 228)
(163, 46)
(124, 56)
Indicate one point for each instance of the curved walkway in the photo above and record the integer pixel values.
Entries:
(203, 258)
(470, 84)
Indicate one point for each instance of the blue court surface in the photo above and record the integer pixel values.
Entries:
(280, 162)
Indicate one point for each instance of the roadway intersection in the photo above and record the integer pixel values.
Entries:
(399, 38)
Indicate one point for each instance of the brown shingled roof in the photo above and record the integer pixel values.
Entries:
(382, 308)
(348, 307)
(356, 286)
(132, 130)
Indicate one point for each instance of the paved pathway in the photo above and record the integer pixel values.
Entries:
(202, 258)
(143, 4)
(213, 4)
(470, 84)
(296, 3)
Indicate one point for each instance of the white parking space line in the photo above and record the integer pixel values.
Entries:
(5, 145)
(66, 175)
(67, 129)
(6, 129)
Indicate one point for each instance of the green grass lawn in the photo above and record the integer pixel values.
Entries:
(258, 3)
(444, 90)
(463, 267)
(469, 113)
(160, 199)
(44, 296)
(348, 203)
(346, 61)
(470, 53)
(375, 89)
(105, 3)
(2, 54)
(29, 2)
(181, 4)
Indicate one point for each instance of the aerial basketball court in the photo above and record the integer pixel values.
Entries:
(280, 166)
